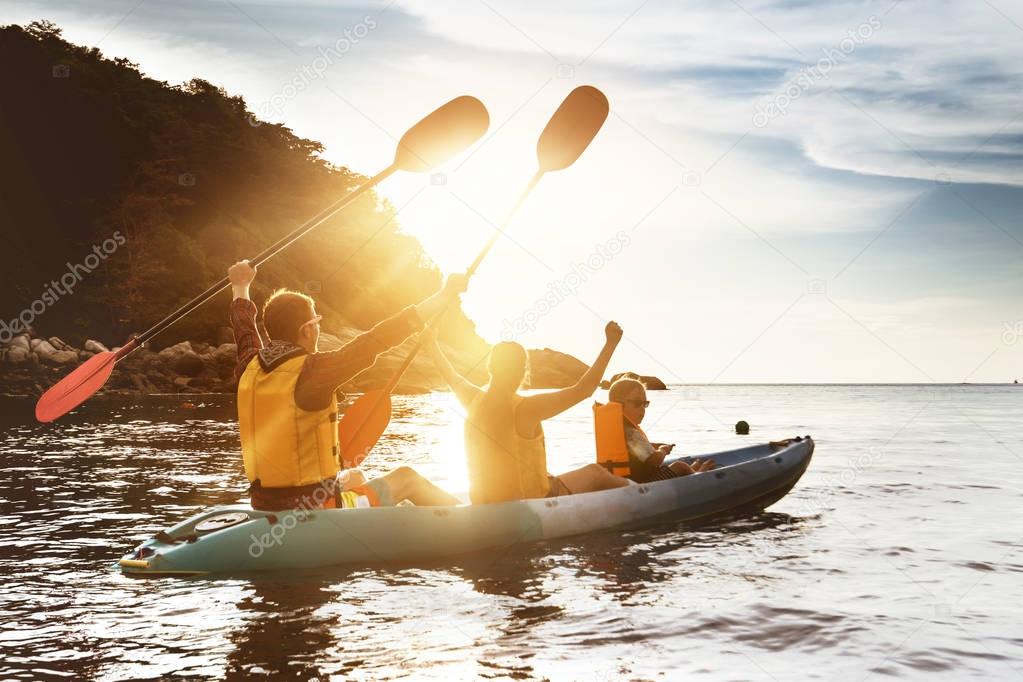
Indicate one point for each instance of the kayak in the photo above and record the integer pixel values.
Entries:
(238, 539)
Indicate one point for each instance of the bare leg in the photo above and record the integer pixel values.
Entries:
(681, 468)
(406, 484)
(592, 477)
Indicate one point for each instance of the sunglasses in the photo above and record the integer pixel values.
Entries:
(315, 320)
(639, 403)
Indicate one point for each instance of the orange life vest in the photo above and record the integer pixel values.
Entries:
(609, 429)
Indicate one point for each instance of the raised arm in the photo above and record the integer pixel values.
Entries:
(325, 372)
(536, 408)
(243, 315)
(463, 389)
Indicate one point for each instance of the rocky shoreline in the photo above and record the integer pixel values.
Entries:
(30, 364)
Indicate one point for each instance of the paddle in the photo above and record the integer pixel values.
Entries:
(441, 135)
(570, 130)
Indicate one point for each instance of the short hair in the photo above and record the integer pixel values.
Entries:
(285, 312)
(623, 387)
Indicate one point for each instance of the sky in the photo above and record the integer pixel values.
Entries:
(790, 191)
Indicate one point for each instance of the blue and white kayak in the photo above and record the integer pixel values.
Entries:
(237, 539)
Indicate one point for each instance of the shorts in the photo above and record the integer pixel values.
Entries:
(661, 473)
(326, 494)
(373, 493)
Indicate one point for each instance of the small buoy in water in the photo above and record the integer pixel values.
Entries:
(742, 428)
(188, 405)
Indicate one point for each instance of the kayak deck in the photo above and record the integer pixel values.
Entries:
(236, 538)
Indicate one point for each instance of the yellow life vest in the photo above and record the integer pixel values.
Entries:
(284, 446)
(609, 431)
(503, 465)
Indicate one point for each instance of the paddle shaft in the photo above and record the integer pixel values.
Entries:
(268, 253)
(393, 382)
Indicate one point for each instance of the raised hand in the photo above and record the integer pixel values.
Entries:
(613, 333)
(241, 274)
(456, 284)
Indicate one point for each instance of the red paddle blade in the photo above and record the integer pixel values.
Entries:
(76, 388)
(362, 425)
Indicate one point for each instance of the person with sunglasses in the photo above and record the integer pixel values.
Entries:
(646, 459)
(287, 409)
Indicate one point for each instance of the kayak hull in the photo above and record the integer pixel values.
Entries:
(746, 481)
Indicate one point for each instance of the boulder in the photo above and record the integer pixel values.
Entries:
(551, 369)
(225, 354)
(181, 358)
(57, 343)
(223, 359)
(42, 348)
(170, 352)
(188, 364)
(652, 383)
(61, 357)
(95, 347)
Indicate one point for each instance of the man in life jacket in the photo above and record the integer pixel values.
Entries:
(622, 446)
(287, 410)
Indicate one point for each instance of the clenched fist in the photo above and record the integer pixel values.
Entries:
(241, 274)
(613, 333)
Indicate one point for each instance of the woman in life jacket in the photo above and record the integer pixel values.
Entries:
(504, 438)
(645, 459)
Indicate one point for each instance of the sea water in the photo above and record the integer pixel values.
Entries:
(898, 554)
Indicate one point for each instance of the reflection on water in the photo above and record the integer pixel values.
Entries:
(883, 559)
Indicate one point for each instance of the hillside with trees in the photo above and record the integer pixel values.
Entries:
(168, 185)
(192, 181)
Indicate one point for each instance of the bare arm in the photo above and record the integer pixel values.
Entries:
(463, 389)
(536, 408)
(324, 372)
(656, 459)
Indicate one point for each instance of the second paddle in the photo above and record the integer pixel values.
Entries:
(566, 136)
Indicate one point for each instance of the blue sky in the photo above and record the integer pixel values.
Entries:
(866, 228)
